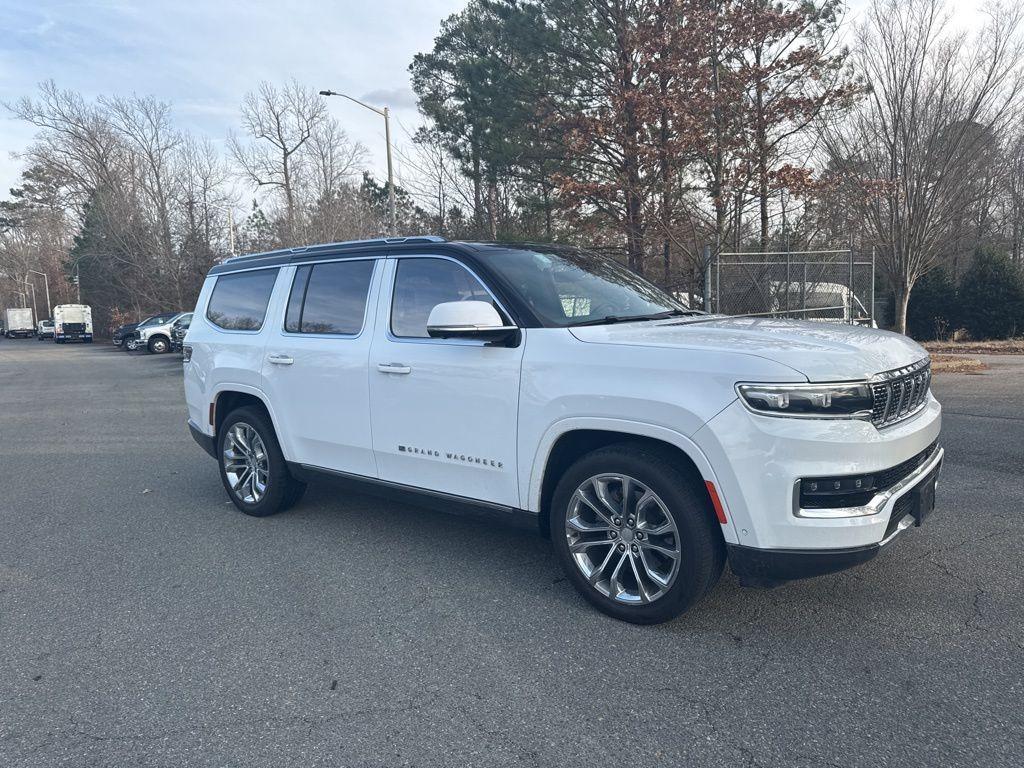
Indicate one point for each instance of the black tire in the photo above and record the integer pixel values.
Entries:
(702, 547)
(158, 345)
(283, 491)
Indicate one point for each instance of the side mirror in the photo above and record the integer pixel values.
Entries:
(467, 320)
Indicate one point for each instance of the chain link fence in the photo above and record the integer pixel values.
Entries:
(836, 286)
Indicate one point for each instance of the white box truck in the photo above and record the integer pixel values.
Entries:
(72, 322)
(19, 322)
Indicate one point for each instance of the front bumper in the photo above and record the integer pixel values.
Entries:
(760, 460)
(771, 567)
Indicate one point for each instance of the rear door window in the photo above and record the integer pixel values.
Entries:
(239, 301)
(329, 298)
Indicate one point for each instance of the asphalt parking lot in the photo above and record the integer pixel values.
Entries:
(145, 622)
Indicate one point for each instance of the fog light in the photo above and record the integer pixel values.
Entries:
(844, 491)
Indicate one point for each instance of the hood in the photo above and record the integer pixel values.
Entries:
(820, 351)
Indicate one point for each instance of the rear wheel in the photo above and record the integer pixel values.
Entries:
(635, 534)
(252, 466)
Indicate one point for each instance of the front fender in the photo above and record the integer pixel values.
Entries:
(532, 483)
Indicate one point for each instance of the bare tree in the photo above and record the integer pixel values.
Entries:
(333, 160)
(76, 140)
(1015, 195)
(151, 140)
(937, 100)
(281, 122)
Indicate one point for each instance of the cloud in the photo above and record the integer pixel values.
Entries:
(204, 57)
(396, 98)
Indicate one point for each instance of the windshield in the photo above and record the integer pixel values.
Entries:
(155, 320)
(568, 286)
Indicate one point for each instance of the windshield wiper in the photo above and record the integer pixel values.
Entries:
(609, 320)
(612, 319)
(677, 313)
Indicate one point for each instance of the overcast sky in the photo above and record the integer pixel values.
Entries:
(203, 56)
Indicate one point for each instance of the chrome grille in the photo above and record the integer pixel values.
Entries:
(900, 393)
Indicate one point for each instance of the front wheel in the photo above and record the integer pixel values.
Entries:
(252, 466)
(635, 534)
(158, 345)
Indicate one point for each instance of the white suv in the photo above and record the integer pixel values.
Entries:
(552, 387)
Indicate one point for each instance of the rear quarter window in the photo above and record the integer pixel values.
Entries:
(239, 301)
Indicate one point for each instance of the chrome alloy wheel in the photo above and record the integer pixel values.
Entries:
(246, 464)
(623, 539)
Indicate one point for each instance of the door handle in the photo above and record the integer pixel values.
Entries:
(393, 368)
(280, 360)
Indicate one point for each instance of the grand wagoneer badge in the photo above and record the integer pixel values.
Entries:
(462, 458)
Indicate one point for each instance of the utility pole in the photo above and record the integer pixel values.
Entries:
(386, 114)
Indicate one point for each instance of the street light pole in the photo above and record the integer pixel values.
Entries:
(386, 114)
(35, 308)
(46, 282)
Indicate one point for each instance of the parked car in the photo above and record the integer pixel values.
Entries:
(179, 328)
(72, 322)
(553, 387)
(19, 323)
(119, 334)
(153, 334)
(44, 329)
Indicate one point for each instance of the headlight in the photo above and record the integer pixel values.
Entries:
(809, 401)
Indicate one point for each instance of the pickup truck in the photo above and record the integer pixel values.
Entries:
(154, 333)
(552, 387)
(44, 330)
